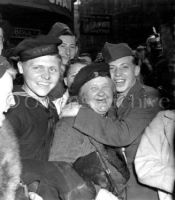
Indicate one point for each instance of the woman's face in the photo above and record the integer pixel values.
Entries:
(98, 94)
(7, 98)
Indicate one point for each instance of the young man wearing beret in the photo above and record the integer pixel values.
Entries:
(135, 106)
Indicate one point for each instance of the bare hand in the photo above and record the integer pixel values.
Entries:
(70, 110)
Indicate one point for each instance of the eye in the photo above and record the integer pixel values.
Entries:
(37, 67)
(63, 45)
(93, 89)
(111, 68)
(72, 46)
(53, 69)
(125, 66)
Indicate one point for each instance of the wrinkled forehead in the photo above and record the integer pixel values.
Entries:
(122, 61)
(100, 81)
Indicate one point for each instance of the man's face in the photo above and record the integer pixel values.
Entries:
(74, 69)
(123, 73)
(98, 94)
(68, 48)
(40, 74)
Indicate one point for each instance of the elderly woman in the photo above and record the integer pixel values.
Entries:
(95, 89)
(10, 165)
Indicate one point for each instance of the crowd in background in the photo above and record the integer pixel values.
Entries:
(74, 127)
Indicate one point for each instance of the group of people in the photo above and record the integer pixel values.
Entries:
(82, 130)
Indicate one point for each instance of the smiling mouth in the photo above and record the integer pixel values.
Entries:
(101, 101)
(43, 84)
(120, 81)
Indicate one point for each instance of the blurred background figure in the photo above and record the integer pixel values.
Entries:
(86, 56)
(67, 50)
(5, 34)
(154, 160)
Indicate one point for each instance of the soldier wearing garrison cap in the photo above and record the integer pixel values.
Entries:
(135, 106)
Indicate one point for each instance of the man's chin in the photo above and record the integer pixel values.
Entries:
(121, 89)
(42, 94)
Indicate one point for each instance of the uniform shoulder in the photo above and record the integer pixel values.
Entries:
(150, 91)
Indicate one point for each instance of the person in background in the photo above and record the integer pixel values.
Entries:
(135, 105)
(67, 50)
(10, 162)
(146, 69)
(155, 158)
(73, 67)
(86, 56)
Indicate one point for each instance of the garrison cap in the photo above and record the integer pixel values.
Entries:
(112, 52)
(59, 29)
(31, 48)
(88, 73)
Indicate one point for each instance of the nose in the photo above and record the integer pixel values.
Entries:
(68, 51)
(46, 74)
(118, 72)
(101, 93)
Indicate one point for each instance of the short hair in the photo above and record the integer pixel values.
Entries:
(73, 61)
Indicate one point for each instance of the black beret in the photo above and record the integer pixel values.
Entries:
(87, 73)
(31, 48)
(112, 52)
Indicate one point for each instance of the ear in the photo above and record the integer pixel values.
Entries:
(20, 68)
(137, 70)
(65, 81)
(76, 50)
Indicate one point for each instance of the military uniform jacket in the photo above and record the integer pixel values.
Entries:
(136, 111)
(134, 114)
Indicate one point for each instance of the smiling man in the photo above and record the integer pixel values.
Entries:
(34, 116)
(135, 105)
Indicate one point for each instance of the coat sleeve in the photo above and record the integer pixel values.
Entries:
(115, 132)
(152, 159)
